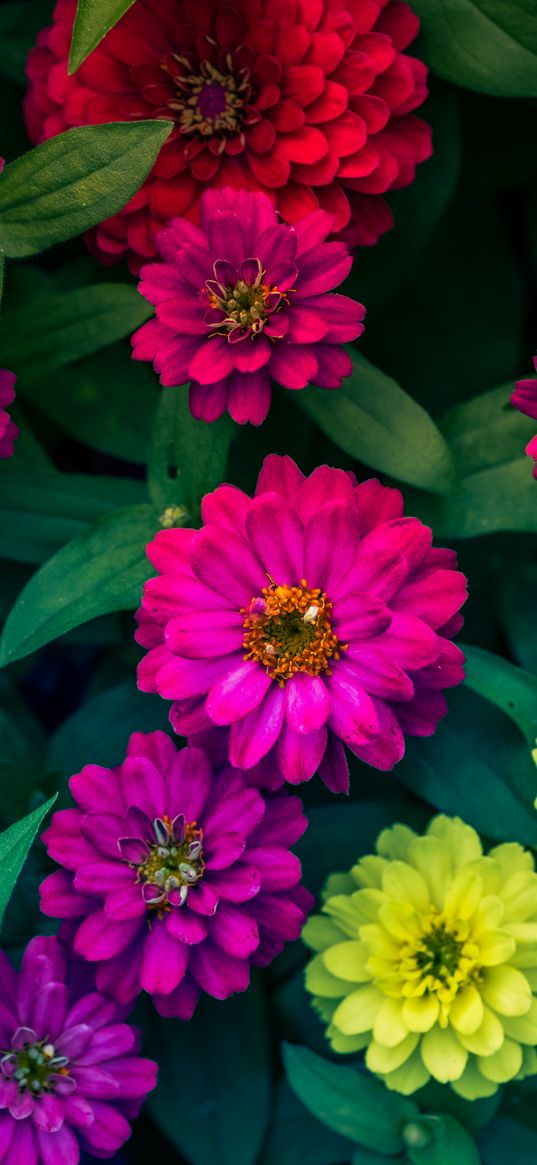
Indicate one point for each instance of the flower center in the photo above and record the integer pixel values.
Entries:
(441, 961)
(171, 864)
(207, 102)
(35, 1065)
(288, 630)
(240, 310)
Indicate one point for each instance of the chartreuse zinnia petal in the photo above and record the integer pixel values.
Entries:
(426, 956)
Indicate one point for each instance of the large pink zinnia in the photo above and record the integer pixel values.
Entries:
(312, 614)
(9, 431)
(308, 100)
(524, 398)
(242, 300)
(70, 1074)
(176, 879)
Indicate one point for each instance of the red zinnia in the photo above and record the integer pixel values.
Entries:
(308, 100)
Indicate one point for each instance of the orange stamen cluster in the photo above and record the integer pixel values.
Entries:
(289, 630)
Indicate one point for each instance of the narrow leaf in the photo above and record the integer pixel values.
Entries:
(94, 18)
(188, 458)
(15, 843)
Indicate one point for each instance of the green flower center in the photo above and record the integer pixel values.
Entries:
(35, 1066)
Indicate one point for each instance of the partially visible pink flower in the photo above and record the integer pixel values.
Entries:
(175, 879)
(243, 299)
(311, 615)
(70, 1074)
(524, 398)
(8, 429)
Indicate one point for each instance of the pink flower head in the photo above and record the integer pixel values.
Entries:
(243, 298)
(524, 398)
(312, 614)
(176, 880)
(8, 429)
(70, 1074)
(310, 101)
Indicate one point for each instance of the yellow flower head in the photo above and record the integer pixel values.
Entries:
(427, 957)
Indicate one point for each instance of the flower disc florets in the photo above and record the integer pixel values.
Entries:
(309, 101)
(312, 614)
(427, 959)
(176, 878)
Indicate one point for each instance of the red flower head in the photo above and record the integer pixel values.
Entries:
(308, 100)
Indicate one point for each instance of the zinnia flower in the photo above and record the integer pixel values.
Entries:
(176, 879)
(70, 1074)
(308, 100)
(427, 958)
(9, 431)
(243, 299)
(312, 614)
(524, 398)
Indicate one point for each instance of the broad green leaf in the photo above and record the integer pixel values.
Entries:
(20, 21)
(101, 570)
(473, 1114)
(351, 1103)
(500, 499)
(14, 845)
(373, 420)
(296, 1138)
(74, 181)
(488, 45)
(94, 18)
(99, 731)
(66, 326)
(518, 603)
(188, 458)
(509, 687)
(43, 509)
(486, 431)
(212, 1098)
(116, 420)
(447, 1142)
(367, 1157)
(478, 766)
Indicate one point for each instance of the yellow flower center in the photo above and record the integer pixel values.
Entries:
(289, 630)
(441, 961)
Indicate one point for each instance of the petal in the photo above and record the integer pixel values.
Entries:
(252, 737)
(100, 938)
(143, 786)
(240, 691)
(235, 931)
(218, 973)
(164, 961)
(276, 534)
(307, 702)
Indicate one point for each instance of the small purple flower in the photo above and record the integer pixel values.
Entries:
(70, 1074)
(243, 299)
(175, 879)
(9, 431)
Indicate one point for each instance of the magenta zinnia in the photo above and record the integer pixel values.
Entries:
(70, 1074)
(176, 879)
(312, 614)
(243, 299)
(310, 101)
(524, 398)
(9, 431)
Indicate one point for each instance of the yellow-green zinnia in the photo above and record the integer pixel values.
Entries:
(427, 958)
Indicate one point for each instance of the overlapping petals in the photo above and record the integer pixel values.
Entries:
(175, 880)
(309, 100)
(310, 616)
(426, 957)
(524, 398)
(9, 431)
(70, 1074)
(243, 300)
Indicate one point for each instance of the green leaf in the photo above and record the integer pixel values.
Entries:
(75, 180)
(212, 1099)
(486, 431)
(500, 499)
(22, 747)
(478, 766)
(94, 18)
(448, 1142)
(101, 570)
(373, 420)
(486, 45)
(509, 1142)
(42, 510)
(80, 401)
(20, 21)
(99, 731)
(518, 603)
(66, 326)
(509, 687)
(296, 1138)
(14, 845)
(351, 1103)
(188, 458)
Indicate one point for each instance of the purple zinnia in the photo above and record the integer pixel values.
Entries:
(243, 299)
(8, 429)
(176, 879)
(70, 1074)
